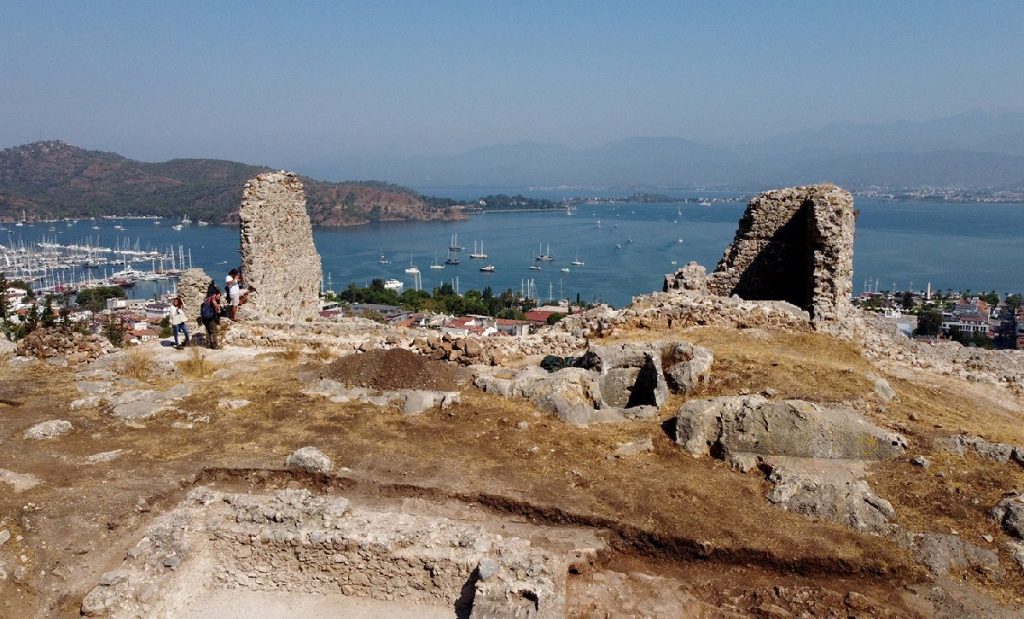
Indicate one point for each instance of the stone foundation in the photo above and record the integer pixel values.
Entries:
(217, 544)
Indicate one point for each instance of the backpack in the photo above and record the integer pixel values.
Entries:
(206, 310)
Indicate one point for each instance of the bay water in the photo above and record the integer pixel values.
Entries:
(626, 248)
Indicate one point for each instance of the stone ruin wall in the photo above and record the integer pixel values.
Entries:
(794, 245)
(192, 288)
(279, 259)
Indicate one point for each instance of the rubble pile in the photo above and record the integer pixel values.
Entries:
(62, 345)
(495, 350)
(681, 309)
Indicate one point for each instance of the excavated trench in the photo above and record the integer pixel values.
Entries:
(271, 543)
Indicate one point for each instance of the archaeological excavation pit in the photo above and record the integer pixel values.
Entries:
(229, 554)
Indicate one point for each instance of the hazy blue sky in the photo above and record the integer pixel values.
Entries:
(286, 83)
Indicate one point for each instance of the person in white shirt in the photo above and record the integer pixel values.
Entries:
(236, 293)
(179, 323)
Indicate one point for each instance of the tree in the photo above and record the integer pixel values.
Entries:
(115, 331)
(1014, 301)
(992, 298)
(95, 299)
(929, 322)
(48, 316)
(555, 317)
(908, 300)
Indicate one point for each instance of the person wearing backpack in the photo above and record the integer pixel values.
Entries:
(209, 314)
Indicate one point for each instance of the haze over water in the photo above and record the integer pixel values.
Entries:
(956, 246)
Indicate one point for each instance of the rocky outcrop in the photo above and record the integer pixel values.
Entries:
(812, 455)
(279, 260)
(793, 244)
(738, 427)
(1010, 514)
(608, 383)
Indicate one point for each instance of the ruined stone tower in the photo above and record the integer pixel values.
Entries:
(279, 259)
(793, 244)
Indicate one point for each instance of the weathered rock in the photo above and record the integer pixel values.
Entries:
(193, 288)
(693, 277)
(921, 461)
(883, 389)
(997, 452)
(418, 402)
(571, 393)
(793, 244)
(634, 447)
(48, 429)
(752, 425)
(835, 495)
(232, 404)
(942, 553)
(1017, 552)
(19, 481)
(630, 374)
(309, 459)
(686, 366)
(104, 456)
(1009, 513)
(279, 259)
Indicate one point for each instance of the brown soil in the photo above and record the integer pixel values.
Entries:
(387, 370)
(662, 509)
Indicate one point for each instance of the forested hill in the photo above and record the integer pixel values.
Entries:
(52, 180)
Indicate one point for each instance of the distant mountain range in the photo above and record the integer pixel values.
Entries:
(975, 149)
(54, 179)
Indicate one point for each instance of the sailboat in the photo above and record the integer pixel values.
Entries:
(455, 243)
(412, 269)
(577, 262)
(544, 256)
(478, 253)
(382, 259)
(435, 264)
(487, 269)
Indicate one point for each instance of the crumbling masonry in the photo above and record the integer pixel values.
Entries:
(793, 244)
(279, 260)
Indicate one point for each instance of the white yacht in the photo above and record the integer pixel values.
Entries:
(478, 252)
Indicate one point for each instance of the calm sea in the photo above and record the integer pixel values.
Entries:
(626, 249)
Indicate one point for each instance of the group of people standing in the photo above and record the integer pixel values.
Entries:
(212, 309)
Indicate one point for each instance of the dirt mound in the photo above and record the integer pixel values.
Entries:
(388, 370)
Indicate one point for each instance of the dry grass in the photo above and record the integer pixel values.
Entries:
(292, 351)
(135, 363)
(323, 353)
(197, 365)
